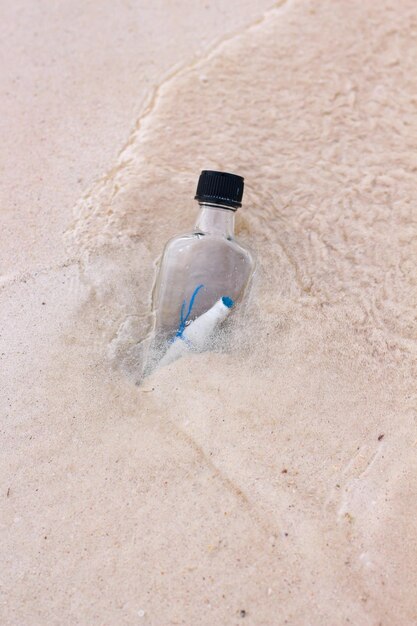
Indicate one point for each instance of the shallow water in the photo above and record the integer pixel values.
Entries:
(276, 474)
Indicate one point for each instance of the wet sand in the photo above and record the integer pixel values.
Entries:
(272, 481)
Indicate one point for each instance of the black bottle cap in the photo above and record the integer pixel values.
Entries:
(220, 188)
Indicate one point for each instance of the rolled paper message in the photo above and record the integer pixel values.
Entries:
(196, 335)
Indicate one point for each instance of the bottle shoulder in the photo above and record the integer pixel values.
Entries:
(197, 239)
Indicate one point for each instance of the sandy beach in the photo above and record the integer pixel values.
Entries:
(273, 480)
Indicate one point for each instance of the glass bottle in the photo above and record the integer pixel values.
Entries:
(199, 268)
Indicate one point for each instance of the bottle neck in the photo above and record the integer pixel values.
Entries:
(216, 220)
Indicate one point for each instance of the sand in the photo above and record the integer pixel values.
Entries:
(273, 480)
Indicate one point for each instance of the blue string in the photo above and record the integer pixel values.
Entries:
(184, 320)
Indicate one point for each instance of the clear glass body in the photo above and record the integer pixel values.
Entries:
(208, 263)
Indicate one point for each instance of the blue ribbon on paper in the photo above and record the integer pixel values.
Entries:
(184, 318)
